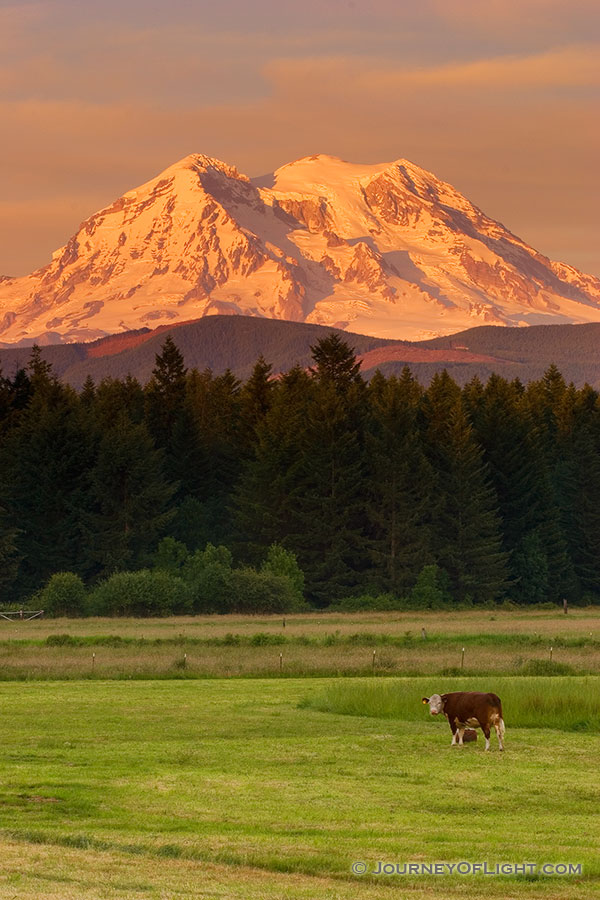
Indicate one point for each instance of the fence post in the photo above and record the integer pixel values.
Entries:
(462, 658)
(280, 663)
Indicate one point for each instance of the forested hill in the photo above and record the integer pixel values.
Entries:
(236, 342)
(213, 342)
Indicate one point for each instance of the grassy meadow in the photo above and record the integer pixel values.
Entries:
(495, 642)
(245, 788)
(143, 779)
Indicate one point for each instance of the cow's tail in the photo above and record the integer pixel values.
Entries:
(501, 726)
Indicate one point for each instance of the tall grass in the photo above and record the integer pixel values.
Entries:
(563, 703)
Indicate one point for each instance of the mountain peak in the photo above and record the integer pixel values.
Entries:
(386, 249)
(200, 162)
(185, 175)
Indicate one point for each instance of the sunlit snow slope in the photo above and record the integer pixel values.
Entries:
(387, 250)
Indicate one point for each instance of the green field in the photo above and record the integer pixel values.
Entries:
(249, 788)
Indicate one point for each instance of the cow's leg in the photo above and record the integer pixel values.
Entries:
(461, 732)
(454, 733)
(486, 730)
(499, 726)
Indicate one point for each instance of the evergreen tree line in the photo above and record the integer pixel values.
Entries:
(381, 488)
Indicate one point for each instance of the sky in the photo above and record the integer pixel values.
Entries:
(500, 98)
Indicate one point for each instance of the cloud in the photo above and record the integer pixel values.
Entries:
(565, 67)
(497, 12)
(516, 133)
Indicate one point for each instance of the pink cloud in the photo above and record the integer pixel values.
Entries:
(502, 130)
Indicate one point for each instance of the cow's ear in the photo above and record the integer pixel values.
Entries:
(425, 700)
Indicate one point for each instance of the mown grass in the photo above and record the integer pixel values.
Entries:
(230, 788)
(561, 703)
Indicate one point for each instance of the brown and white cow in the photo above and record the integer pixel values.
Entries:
(469, 709)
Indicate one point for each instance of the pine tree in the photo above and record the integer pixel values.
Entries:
(221, 447)
(5, 402)
(335, 362)
(45, 462)
(580, 489)
(165, 393)
(169, 369)
(115, 398)
(9, 557)
(518, 474)
(21, 390)
(267, 493)
(255, 401)
(329, 516)
(504, 431)
(88, 392)
(467, 537)
(131, 499)
(401, 479)
(438, 405)
(549, 408)
(41, 370)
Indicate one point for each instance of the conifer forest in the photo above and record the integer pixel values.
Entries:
(201, 493)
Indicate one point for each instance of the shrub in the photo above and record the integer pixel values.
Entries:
(262, 639)
(546, 667)
(63, 595)
(262, 592)
(209, 577)
(170, 556)
(283, 562)
(61, 640)
(379, 602)
(231, 640)
(203, 559)
(211, 591)
(142, 593)
(429, 591)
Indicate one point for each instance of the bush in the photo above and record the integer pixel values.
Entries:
(143, 593)
(380, 602)
(64, 595)
(546, 667)
(283, 562)
(208, 576)
(429, 592)
(211, 591)
(61, 640)
(170, 556)
(262, 639)
(262, 592)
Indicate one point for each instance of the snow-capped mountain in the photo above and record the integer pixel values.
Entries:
(387, 250)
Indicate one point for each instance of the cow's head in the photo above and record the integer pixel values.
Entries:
(435, 704)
